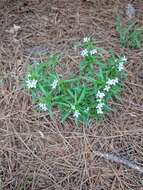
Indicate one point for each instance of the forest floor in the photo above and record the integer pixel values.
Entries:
(37, 153)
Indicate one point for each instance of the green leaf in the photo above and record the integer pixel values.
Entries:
(43, 90)
(53, 60)
(82, 95)
(75, 97)
(50, 111)
(70, 93)
(65, 116)
(62, 104)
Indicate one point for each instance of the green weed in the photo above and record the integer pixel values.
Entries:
(130, 35)
(83, 96)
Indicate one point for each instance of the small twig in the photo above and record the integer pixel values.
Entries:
(119, 160)
(114, 158)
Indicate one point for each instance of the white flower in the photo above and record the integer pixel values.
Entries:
(121, 63)
(76, 114)
(112, 81)
(107, 88)
(109, 82)
(54, 84)
(100, 94)
(120, 67)
(116, 80)
(100, 105)
(31, 83)
(84, 53)
(99, 108)
(123, 59)
(43, 106)
(100, 111)
(93, 51)
(86, 39)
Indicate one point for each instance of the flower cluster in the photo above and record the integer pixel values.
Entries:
(86, 39)
(109, 83)
(76, 112)
(43, 106)
(85, 52)
(121, 63)
(54, 84)
(31, 83)
(100, 95)
(99, 107)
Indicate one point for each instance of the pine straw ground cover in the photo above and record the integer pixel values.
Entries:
(39, 154)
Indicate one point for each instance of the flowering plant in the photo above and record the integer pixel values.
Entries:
(83, 96)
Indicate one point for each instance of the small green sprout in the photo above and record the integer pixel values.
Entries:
(130, 35)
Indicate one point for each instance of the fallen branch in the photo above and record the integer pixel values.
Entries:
(119, 160)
